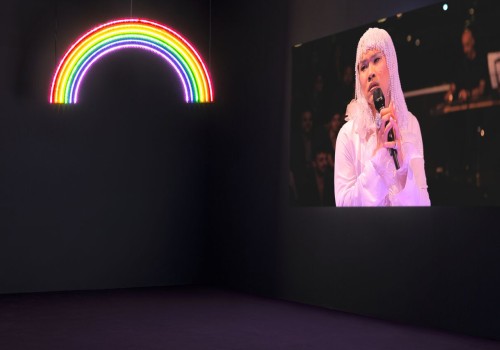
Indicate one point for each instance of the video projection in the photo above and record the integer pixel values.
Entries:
(448, 57)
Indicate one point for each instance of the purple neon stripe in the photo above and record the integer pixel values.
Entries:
(188, 95)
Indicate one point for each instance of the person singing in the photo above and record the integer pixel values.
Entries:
(365, 172)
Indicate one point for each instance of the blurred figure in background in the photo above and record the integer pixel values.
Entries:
(471, 72)
(316, 187)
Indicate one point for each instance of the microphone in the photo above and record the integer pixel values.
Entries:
(379, 101)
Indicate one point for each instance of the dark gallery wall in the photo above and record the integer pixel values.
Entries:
(133, 189)
(434, 267)
(108, 193)
(247, 142)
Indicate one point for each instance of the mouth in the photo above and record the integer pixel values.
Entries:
(373, 86)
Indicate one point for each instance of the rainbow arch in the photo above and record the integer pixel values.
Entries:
(131, 33)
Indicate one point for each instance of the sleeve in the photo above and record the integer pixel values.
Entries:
(351, 189)
(376, 182)
(412, 189)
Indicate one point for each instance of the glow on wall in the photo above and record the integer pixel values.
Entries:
(138, 34)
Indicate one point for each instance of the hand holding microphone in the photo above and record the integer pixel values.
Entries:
(379, 102)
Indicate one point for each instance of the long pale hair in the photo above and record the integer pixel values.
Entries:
(359, 109)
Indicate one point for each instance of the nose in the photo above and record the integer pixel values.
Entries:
(371, 76)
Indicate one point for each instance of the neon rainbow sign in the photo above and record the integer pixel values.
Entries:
(131, 33)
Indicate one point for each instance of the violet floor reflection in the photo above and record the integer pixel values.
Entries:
(200, 318)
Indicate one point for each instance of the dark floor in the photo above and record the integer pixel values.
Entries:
(200, 318)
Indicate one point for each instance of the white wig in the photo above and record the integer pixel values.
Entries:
(358, 109)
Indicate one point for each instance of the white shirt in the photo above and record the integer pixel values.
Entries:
(364, 179)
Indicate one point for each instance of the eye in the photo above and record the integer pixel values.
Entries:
(362, 67)
(376, 59)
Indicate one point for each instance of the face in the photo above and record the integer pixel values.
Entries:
(321, 162)
(468, 43)
(335, 122)
(306, 121)
(373, 73)
(318, 83)
(348, 75)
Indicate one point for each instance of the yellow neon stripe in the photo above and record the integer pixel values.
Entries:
(111, 33)
(195, 64)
